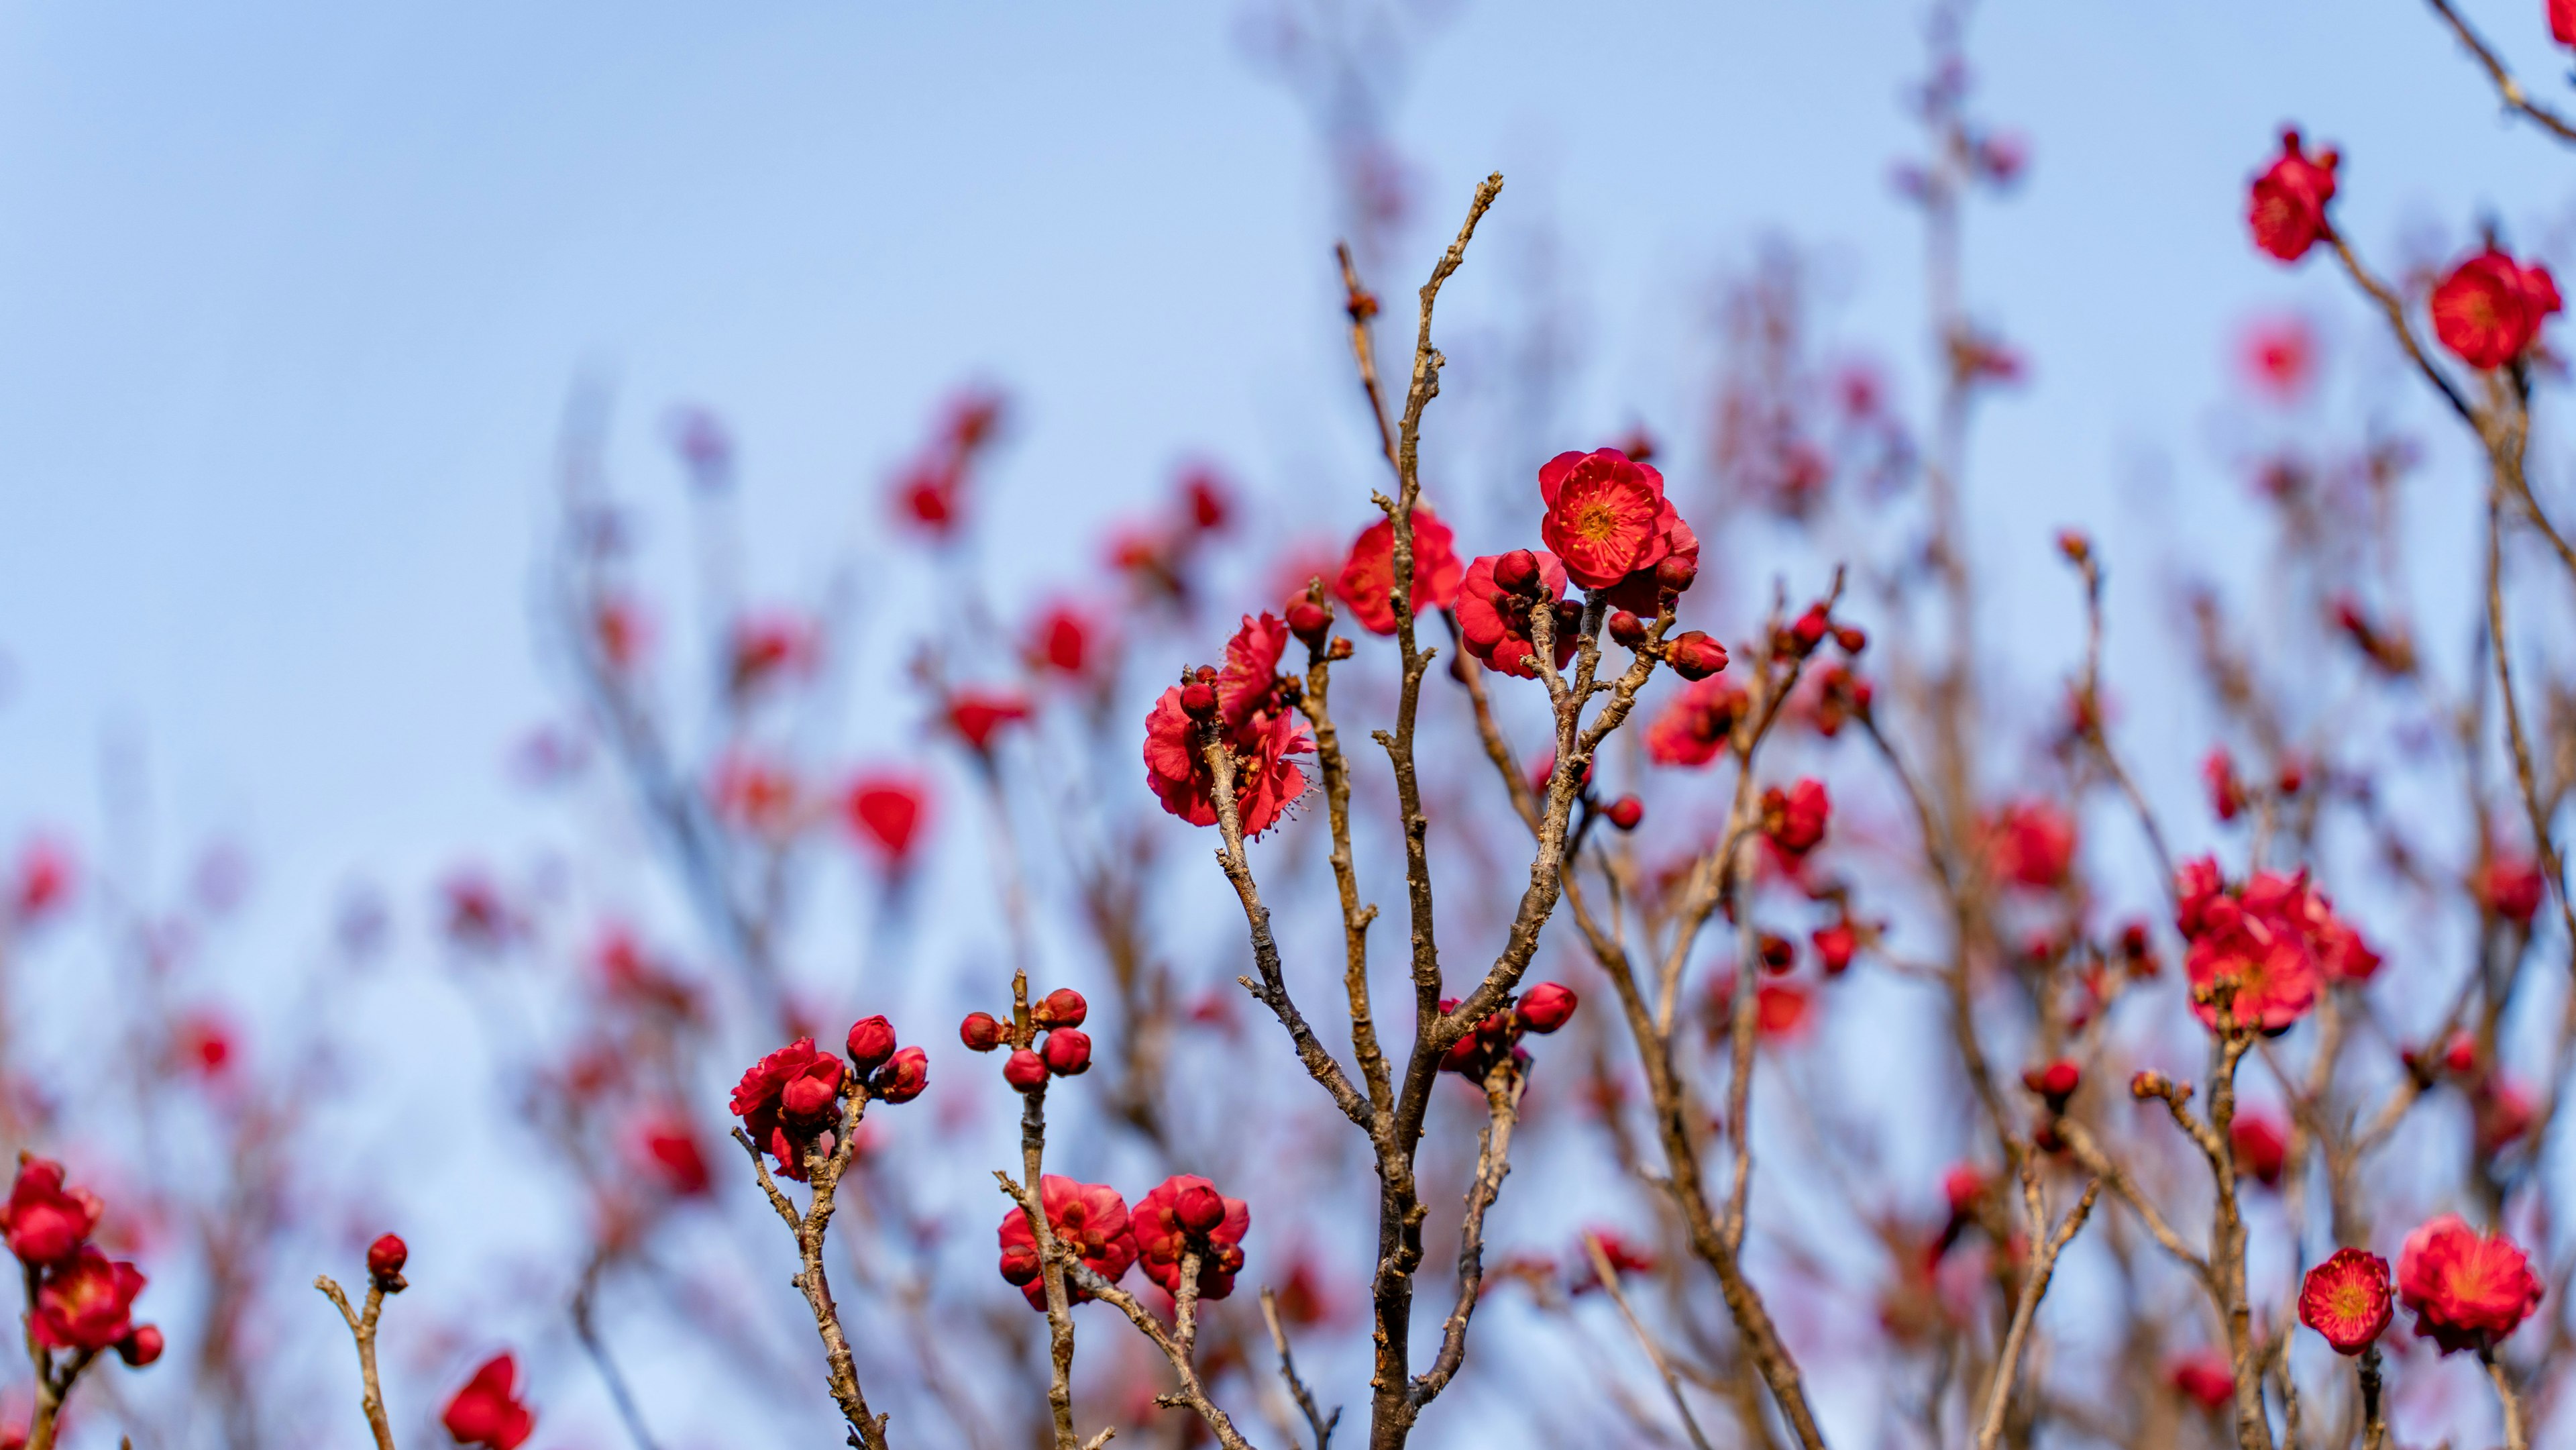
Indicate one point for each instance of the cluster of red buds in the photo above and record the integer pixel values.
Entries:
(790, 1101)
(1065, 1050)
(1496, 1040)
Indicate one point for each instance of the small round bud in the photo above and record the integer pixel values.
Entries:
(1546, 1007)
(2055, 1082)
(141, 1346)
(1695, 656)
(1066, 1052)
(1198, 700)
(385, 1260)
(2149, 1084)
(1676, 574)
(1026, 1071)
(1851, 637)
(1199, 1207)
(1517, 572)
(871, 1042)
(1810, 628)
(1062, 1007)
(902, 1078)
(1341, 649)
(1627, 628)
(1310, 621)
(2074, 545)
(1626, 812)
(980, 1032)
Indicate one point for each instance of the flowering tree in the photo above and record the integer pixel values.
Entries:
(1940, 1082)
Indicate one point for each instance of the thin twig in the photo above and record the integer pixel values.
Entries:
(1609, 1276)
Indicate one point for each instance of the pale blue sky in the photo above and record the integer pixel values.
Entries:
(291, 296)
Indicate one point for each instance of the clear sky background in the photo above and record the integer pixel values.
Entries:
(292, 294)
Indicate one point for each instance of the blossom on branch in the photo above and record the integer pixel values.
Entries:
(46, 1222)
(2489, 310)
(1185, 1214)
(1494, 621)
(2287, 204)
(2346, 1299)
(1694, 726)
(1608, 519)
(1088, 1218)
(2468, 1290)
(1250, 719)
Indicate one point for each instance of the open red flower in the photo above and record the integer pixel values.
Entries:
(1367, 583)
(488, 1411)
(2468, 1290)
(886, 810)
(1694, 726)
(2346, 1299)
(2256, 945)
(44, 1221)
(1256, 726)
(1088, 1217)
(2032, 843)
(789, 1100)
(1185, 1213)
(1494, 624)
(85, 1302)
(2287, 206)
(1607, 517)
(2489, 310)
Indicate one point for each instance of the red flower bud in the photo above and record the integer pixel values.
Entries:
(2056, 1082)
(1062, 1007)
(1810, 628)
(1199, 1207)
(1310, 621)
(811, 1095)
(1777, 953)
(1851, 637)
(1627, 629)
(385, 1260)
(1626, 812)
(1198, 700)
(1026, 1071)
(871, 1042)
(142, 1346)
(1516, 572)
(1676, 574)
(1546, 1007)
(1066, 1052)
(1695, 656)
(902, 1078)
(980, 1032)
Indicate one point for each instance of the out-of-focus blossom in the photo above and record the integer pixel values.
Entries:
(2468, 1290)
(488, 1411)
(1367, 580)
